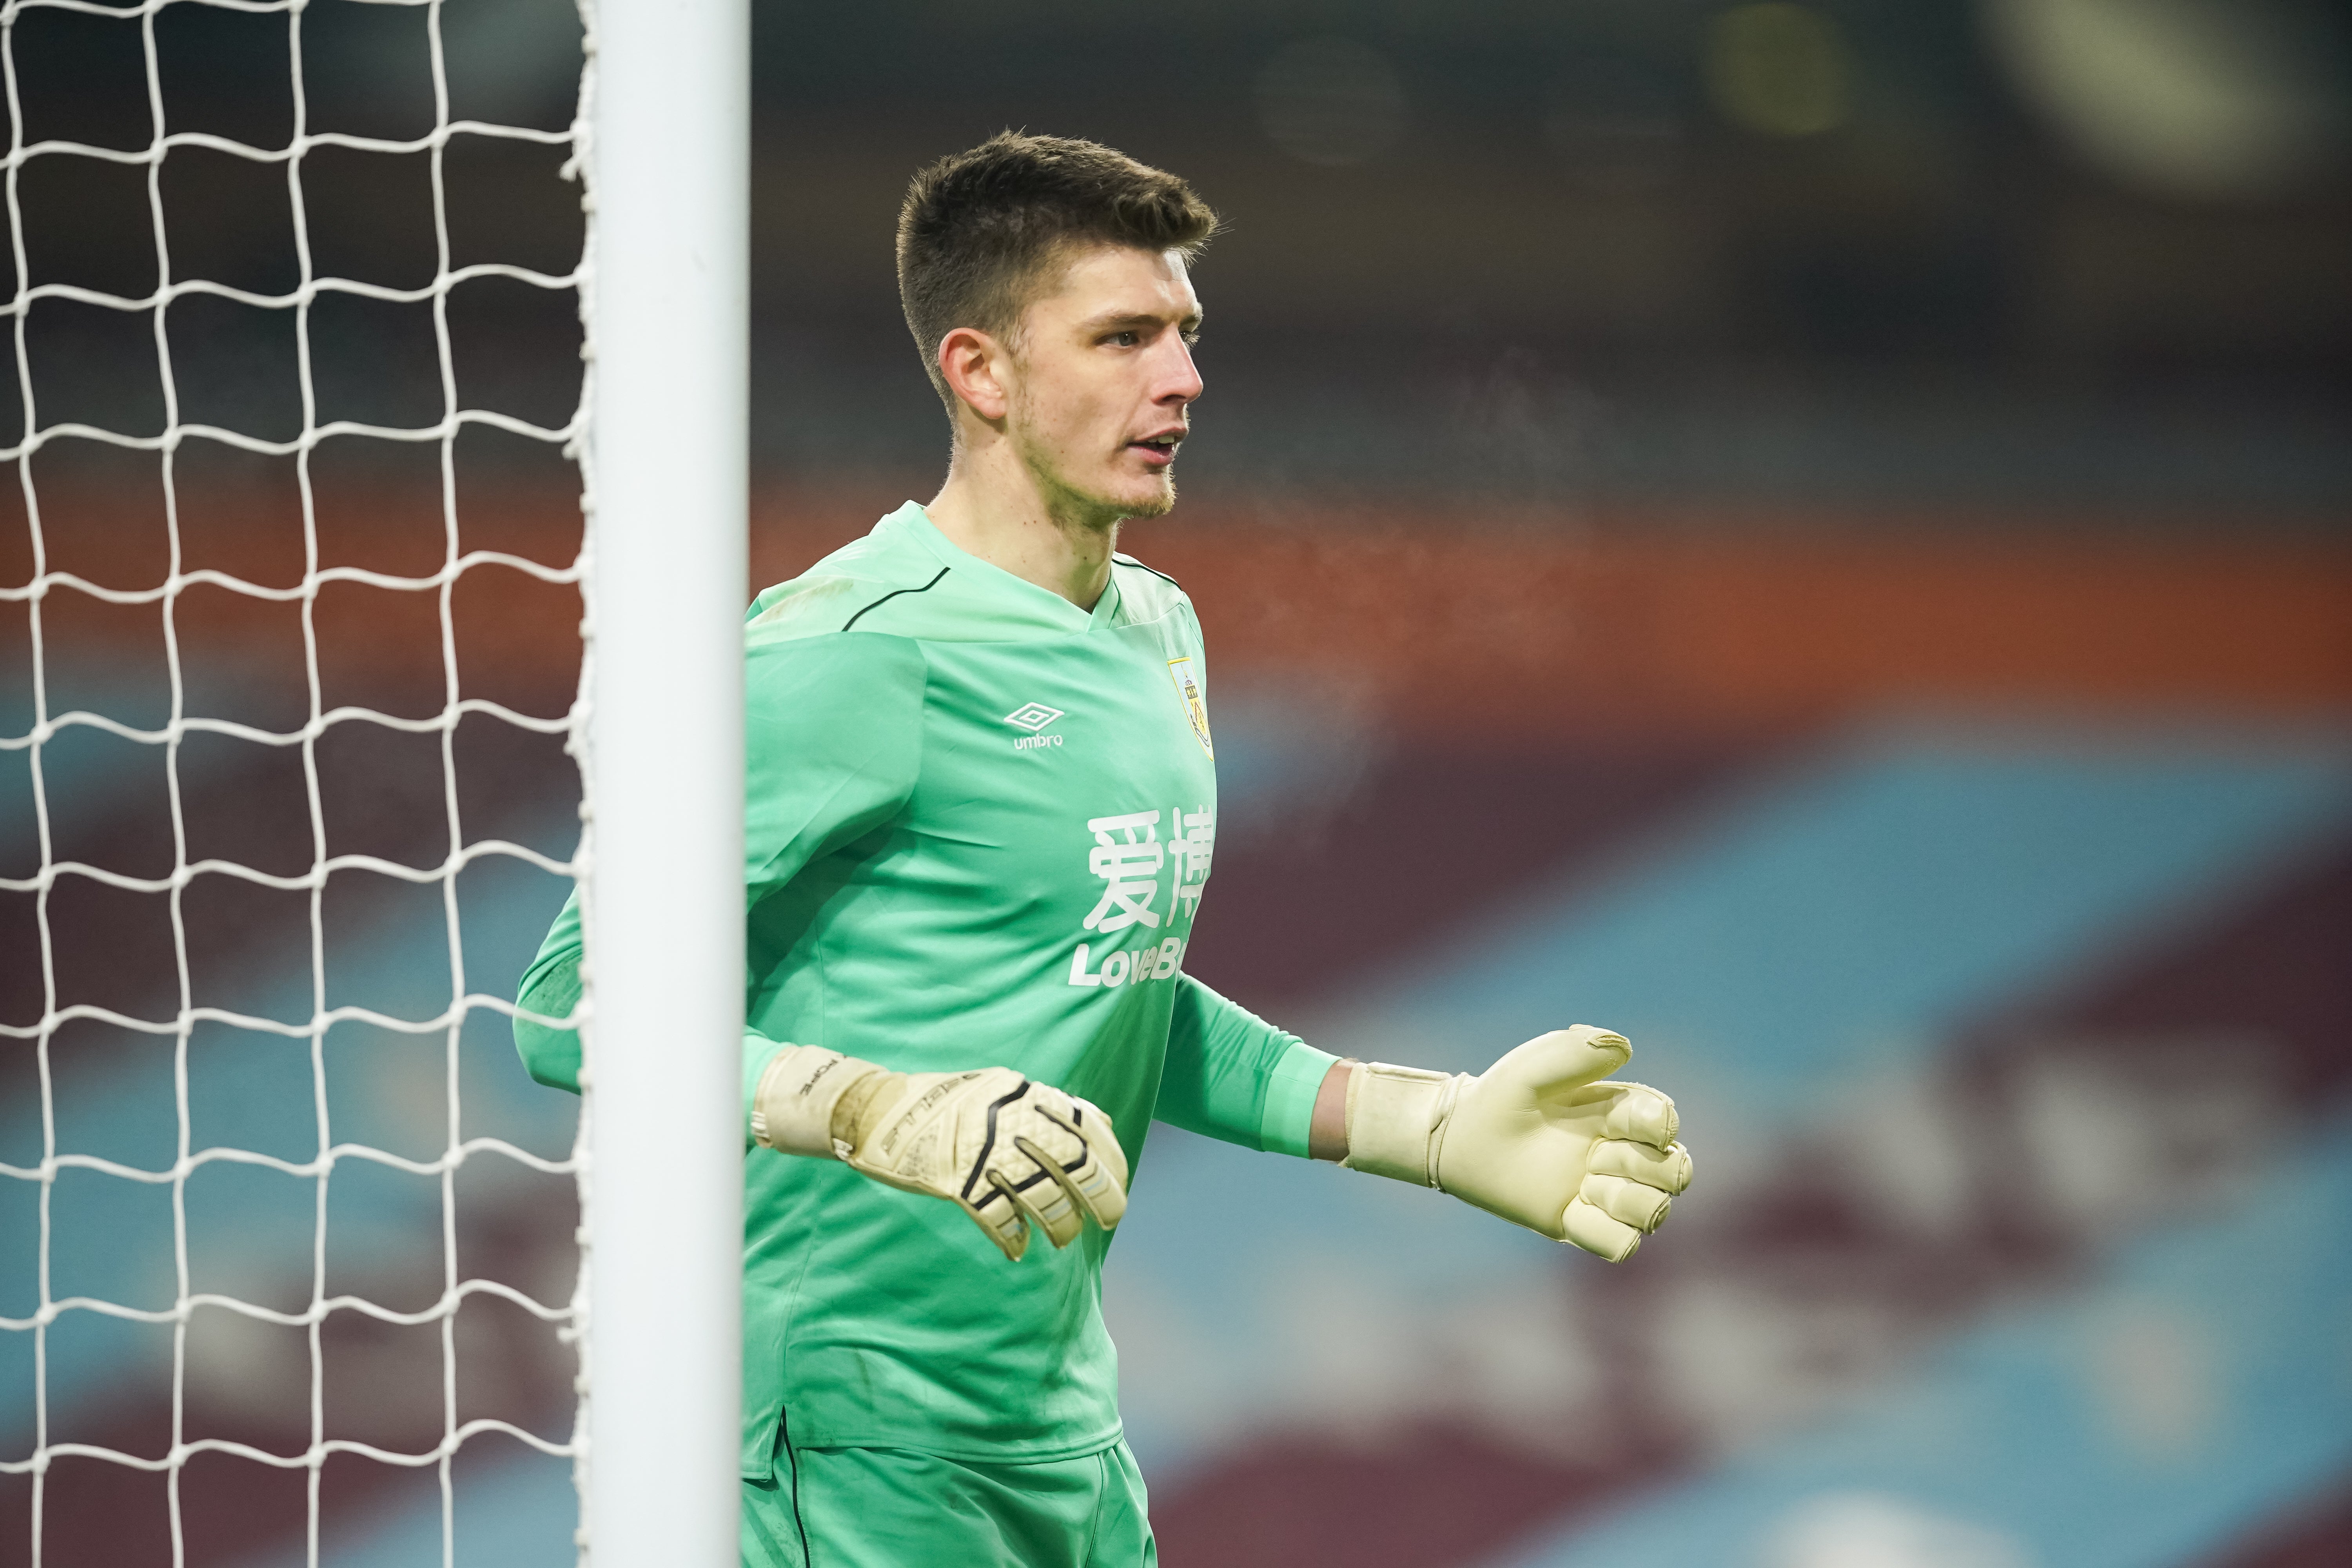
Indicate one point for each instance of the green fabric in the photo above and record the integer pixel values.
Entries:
(884, 1508)
(1239, 1076)
(1291, 1092)
(932, 885)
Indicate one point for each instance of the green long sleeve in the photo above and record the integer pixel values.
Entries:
(1231, 1075)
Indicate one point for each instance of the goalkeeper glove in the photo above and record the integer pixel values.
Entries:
(1003, 1149)
(1536, 1139)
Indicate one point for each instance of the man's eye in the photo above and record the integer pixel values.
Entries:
(1124, 340)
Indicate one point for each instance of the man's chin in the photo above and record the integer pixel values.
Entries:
(1123, 497)
(1156, 497)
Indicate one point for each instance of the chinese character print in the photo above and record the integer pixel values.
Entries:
(1127, 855)
(1192, 837)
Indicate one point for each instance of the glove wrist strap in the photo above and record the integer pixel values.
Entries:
(792, 1109)
(1396, 1120)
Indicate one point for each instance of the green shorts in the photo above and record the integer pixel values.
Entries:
(886, 1508)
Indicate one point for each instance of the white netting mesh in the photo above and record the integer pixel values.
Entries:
(166, 991)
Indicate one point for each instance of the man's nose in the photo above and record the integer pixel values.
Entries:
(1180, 379)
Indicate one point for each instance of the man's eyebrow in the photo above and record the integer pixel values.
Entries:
(1110, 319)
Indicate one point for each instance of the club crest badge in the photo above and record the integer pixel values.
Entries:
(1188, 689)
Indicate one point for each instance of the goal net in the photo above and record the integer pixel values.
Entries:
(299, 747)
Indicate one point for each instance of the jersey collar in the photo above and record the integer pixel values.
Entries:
(1023, 601)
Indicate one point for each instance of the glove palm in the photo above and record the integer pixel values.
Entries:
(1536, 1139)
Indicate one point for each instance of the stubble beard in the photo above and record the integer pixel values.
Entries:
(1163, 502)
(1075, 506)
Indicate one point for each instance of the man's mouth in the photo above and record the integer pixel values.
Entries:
(1157, 448)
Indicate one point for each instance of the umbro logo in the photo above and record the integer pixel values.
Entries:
(1031, 716)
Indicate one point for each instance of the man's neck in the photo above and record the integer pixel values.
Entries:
(1003, 518)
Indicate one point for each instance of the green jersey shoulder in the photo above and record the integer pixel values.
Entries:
(904, 580)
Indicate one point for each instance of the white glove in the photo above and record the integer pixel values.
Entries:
(1003, 1149)
(1535, 1138)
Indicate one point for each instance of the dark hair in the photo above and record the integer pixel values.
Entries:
(978, 230)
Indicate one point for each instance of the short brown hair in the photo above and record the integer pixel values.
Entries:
(978, 229)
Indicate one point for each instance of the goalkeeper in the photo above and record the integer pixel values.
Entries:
(980, 811)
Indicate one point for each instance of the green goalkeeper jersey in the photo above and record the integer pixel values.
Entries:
(978, 822)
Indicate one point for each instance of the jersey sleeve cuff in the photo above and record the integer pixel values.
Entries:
(1290, 1094)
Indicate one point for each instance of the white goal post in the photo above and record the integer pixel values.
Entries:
(667, 479)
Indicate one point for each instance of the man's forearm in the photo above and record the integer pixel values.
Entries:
(1326, 1135)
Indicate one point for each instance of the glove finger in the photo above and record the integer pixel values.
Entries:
(1564, 1059)
(1668, 1169)
(1040, 1124)
(1049, 1166)
(1044, 1194)
(1095, 1125)
(997, 1214)
(1633, 1203)
(1002, 1185)
(1046, 1115)
(1596, 1233)
(1644, 1115)
(1097, 1179)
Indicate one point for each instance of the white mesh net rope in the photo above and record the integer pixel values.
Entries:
(178, 1026)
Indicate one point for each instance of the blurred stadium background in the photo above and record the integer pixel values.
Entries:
(1814, 534)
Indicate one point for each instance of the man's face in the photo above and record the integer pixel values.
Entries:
(1103, 380)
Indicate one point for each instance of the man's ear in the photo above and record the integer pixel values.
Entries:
(975, 367)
